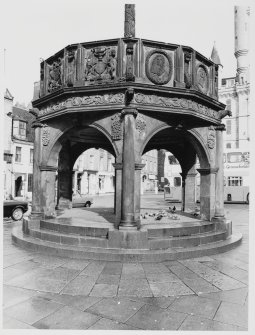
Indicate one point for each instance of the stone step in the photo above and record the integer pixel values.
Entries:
(154, 243)
(65, 228)
(183, 229)
(124, 255)
(69, 239)
(186, 241)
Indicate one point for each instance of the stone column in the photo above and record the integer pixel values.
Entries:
(128, 174)
(129, 26)
(207, 192)
(183, 190)
(138, 168)
(65, 178)
(219, 201)
(117, 193)
(48, 190)
(190, 191)
(37, 192)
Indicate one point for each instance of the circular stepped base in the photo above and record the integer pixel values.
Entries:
(150, 244)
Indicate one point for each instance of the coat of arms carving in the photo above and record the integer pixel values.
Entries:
(211, 137)
(202, 79)
(101, 64)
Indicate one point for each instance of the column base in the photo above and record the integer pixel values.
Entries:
(221, 223)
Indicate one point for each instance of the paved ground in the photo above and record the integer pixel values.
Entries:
(209, 293)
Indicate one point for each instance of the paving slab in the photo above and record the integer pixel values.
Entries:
(78, 301)
(15, 295)
(32, 310)
(218, 279)
(75, 264)
(238, 296)
(167, 289)
(93, 269)
(108, 279)
(11, 323)
(195, 305)
(154, 318)
(118, 309)
(137, 287)
(81, 285)
(67, 318)
(112, 268)
(232, 314)
(104, 290)
(199, 323)
(107, 324)
(200, 286)
(162, 302)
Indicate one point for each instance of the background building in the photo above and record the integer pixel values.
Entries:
(149, 176)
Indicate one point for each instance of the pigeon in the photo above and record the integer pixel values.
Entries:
(172, 210)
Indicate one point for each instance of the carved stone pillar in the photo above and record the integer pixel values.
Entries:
(183, 190)
(219, 201)
(190, 191)
(128, 175)
(36, 194)
(48, 190)
(117, 193)
(207, 192)
(138, 168)
(65, 178)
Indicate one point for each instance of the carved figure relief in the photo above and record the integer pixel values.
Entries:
(116, 127)
(216, 80)
(159, 67)
(202, 79)
(55, 73)
(130, 67)
(42, 79)
(129, 28)
(70, 68)
(101, 64)
(211, 137)
(140, 123)
(187, 76)
(45, 135)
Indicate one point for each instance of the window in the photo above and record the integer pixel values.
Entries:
(228, 127)
(235, 181)
(22, 128)
(177, 181)
(30, 183)
(234, 157)
(228, 146)
(18, 154)
(31, 155)
(228, 104)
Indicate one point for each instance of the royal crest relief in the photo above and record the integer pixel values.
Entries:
(55, 73)
(202, 79)
(101, 64)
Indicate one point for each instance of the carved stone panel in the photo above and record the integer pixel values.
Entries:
(116, 127)
(159, 67)
(140, 123)
(187, 75)
(202, 79)
(211, 137)
(101, 64)
(45, 135)
(55, 75)
(70, 68)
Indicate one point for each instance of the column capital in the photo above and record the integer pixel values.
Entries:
(117, 166)
(139, 166)
(208, 171)
(220, 127)
(37, 124)
(48, 168)
(128, 111)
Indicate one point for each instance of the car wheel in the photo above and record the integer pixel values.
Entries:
(88, 204)
(17, 214)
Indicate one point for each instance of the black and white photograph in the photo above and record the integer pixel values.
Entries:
(127, 148)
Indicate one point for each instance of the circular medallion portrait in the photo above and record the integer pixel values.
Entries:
(159, 67)
(202, 79)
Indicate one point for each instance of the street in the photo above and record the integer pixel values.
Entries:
(207, 293)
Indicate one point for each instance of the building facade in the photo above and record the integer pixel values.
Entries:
(149, 178)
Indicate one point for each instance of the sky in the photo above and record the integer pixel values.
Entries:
(36, 29)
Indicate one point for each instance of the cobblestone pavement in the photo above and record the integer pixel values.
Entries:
(208, 293)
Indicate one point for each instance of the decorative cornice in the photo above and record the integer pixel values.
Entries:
(117, 166)
(139, 166)
(220, 127)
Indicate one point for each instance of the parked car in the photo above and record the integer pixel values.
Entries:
(15, 209)
(80, 200)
